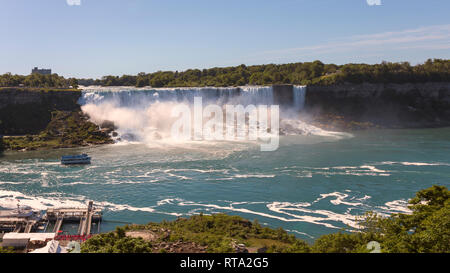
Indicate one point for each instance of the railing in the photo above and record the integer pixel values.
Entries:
(78, 238)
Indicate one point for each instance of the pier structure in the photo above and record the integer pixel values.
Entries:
(25, 220)
(22, 219)
(26, 230)
(84, 216)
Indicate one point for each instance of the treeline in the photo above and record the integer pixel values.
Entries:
(308, 73)
(425, 230)
(37, 81)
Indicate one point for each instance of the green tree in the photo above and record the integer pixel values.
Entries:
(6, 250)
(116, 242)
(73, 82)
(425, 230)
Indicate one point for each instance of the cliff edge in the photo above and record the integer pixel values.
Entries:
(38, 118)
(412, 105)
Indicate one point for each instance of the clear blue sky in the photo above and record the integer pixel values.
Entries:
(103, 37)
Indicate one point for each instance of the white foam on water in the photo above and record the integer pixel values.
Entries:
(10, 199)
(223, 171)
(300, 127)
(340, 199)
(396, 206)
(254, 175)
(287, 208)
(414, 163)
(167, 201)
(299, 212)
(284, 211)
(45, 179)
(73, 184)
(11, 183)
(308, 172)
(182, 177)
(300, 233)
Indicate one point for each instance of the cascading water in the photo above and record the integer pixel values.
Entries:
(126, 97)
(144, 115)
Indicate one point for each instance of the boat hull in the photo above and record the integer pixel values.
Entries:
(76, 160)
(80, 162)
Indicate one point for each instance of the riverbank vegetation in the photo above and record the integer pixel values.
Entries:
(37, 81)
(426, 229)
(39, 89)
(65, 130)
(307, 73)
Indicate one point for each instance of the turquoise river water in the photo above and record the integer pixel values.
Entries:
(312, 185)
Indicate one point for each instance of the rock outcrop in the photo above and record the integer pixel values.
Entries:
(384, 105)
(283, 94)
(24, 111)
(37, 118)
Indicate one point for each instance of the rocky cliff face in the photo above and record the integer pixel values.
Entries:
(29, 112)
(385, 105)
(35, 119)
(283, 94)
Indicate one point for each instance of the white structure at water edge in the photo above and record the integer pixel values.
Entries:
(21, 240)
(51, 247)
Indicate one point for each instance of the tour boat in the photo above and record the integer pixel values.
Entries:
(83, 159)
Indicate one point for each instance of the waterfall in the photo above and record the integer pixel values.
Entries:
(133, 97)
(144, 114)
(126, 97)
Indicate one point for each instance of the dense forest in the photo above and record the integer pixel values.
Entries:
(307, 73)
(295, 73)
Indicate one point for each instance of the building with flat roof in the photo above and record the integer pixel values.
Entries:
(36, 70)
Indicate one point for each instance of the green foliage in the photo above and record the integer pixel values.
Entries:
(219, 230)
(342, 243)
(65, 129)
(116, 242)
(6, 250)
(307, 73)
(73, 82)
(36, 81)
(295, 73)
(425, 230)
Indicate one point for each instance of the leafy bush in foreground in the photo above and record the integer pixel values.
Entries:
(116, 242)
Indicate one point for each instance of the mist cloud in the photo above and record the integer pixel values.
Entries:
(73, 2)
(374, 2)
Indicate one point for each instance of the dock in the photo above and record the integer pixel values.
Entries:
(19, 220)
(27, 230)
(27, 221)
(84, 216)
